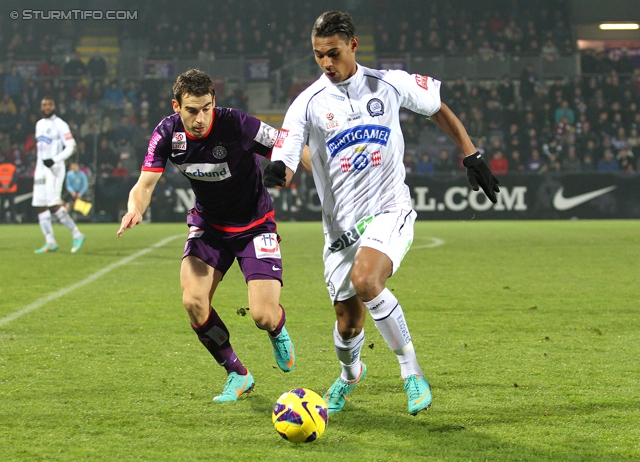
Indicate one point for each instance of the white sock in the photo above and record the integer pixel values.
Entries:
(44, 218)
(66, 220)
(389, 318)
(348, 352)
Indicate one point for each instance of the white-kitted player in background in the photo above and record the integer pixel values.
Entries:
(55, 145)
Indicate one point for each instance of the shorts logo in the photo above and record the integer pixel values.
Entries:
(375, 107)
(195, 232)
(267, 246)
(219, 152)
(362, 134)
(331, 289)
(281, 137)
(179, 141)
(422, 81)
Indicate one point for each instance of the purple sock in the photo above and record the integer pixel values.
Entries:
(214, 335)
(275, 332)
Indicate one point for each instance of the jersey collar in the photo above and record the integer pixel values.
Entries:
(351, 80)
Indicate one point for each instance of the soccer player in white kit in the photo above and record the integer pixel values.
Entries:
(55, 145)
(349, 118)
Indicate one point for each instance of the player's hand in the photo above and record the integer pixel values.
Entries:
(48, 163)
(129, 220)
(479, 176)
(275, 174)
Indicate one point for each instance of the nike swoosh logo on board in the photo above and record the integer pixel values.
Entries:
(565, 203)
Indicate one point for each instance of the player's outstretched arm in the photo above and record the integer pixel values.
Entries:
(479, 174)
(139, 200)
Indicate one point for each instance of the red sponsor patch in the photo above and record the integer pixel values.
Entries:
(330, 116)
(345, 164)
(68, 136)
(422, 81)
(281, 137)
(376, 158)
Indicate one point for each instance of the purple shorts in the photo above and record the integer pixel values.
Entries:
(257, 248)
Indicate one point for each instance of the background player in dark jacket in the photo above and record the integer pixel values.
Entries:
(233, 218)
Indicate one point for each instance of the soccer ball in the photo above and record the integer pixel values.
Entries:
(300, 416)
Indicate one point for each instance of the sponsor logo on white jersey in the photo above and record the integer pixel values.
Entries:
(362, 134)
(206, 172)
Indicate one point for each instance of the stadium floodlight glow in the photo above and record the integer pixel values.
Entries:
(620, 26)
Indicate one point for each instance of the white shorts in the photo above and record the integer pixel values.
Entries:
(47, 184)
(389, 233)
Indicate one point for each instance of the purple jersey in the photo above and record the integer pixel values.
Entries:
(224, 172)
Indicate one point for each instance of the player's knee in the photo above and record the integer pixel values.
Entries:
(266, 318)
(196, 306)
(366, 284)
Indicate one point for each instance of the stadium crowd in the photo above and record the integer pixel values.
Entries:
(590, 122)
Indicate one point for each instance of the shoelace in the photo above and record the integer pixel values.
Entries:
(340, 390)
(412, 388)
(227, 386)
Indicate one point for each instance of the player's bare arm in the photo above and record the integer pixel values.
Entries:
(449, 123)
(139, 200)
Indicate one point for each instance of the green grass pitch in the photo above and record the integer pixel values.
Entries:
(528, 331)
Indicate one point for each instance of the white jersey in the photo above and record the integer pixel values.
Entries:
(54, 139)
(357, 147)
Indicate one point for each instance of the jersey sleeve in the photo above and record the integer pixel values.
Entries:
(293, 135)
(257, 136)
(418, 93)
(67, 141)
(158, 151)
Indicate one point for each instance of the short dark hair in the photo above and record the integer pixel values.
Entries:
(48, 97)
(193, 82)
(334, 23)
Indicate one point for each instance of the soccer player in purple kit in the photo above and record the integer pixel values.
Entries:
(233, 218)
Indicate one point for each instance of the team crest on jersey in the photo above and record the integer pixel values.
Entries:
(179, 141)
(345, 164)
(219, 152)
(422, 81)
(375, 107)
(267, 246)
(376, 158)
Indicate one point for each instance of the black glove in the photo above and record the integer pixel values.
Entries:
(479, 173)
(48, 162)
(275, 174)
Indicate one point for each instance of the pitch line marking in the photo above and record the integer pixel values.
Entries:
(435, 242)
(62, 292)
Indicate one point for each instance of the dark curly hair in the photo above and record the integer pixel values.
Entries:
(334, 23)
(193, 82)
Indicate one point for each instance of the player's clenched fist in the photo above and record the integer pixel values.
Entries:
(275, 174)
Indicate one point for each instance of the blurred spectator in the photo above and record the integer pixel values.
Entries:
(528, 81)
(76, 182)
(97, 66)
(571, 163)
(120, 171)
(443, 164)
(410, 165)
(516, 163)
(13, 83)
(625, 161)
(114, 94)
(499, 164)
(624, 64)
(425, 165)
(535, 163)
(75, 67)
(608, 163)
(49, 68)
